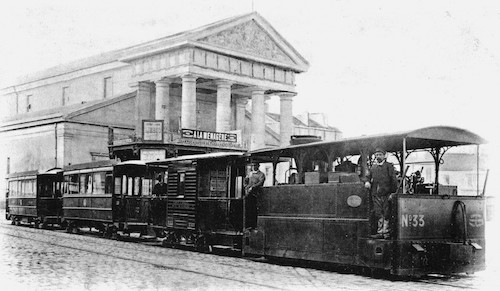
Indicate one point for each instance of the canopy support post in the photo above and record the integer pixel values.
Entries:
(403, 172)
(477, 170)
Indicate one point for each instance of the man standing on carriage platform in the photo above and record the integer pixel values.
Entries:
(382, 182)
(253, 188)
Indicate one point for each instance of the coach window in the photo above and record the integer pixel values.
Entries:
(108, 183)
(85, 183)
(130, 188)
(30, 188)
(146, 186)
(99, 183)
(21, 188)
(118, 185)
(137, 185)
(45, 188)
(72, 184)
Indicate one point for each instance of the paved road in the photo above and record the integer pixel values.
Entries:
(35, 259)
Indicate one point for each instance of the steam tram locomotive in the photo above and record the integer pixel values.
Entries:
(314, 206)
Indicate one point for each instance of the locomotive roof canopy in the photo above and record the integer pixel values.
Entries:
(198, 157)
(423, 138)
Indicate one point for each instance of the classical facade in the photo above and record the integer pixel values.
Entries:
(204, 90)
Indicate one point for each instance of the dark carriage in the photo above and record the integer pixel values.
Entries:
(88, 195)
(317, 208)
(108, 196)
(203, 205)
(34, 197)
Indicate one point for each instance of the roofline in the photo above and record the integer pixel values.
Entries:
(176, 40)
(417, 134)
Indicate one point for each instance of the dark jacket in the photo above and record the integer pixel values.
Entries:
(383, 179)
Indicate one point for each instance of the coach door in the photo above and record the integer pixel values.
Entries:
(219, 198)
(132, 192)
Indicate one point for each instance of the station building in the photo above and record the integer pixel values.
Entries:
(198, 91)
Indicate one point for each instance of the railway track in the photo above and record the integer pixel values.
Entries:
(209, 265)
(159, 257)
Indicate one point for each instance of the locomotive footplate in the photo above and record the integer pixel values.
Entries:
(414, 258)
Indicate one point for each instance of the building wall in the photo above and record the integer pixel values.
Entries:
(30, 148)
(48, 93)
(78, 149)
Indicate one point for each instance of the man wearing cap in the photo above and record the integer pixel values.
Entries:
(253, 187)
(382, 182)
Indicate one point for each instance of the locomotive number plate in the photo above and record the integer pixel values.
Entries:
(354, 200)
(412, 220)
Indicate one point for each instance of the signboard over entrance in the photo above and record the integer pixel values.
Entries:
(209, 135)
(152, 131)
(153, 154)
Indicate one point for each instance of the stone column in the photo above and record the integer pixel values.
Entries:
(162, 106)
(241, 104)
(143, 101)
(286, 118)
(258, 120)
(223, 113)
(188, 107)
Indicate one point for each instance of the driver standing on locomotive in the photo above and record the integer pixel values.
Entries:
(382, 182)
(253, 188)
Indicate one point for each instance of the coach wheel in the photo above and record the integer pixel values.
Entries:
(18, 222)
(44, 225)
(72, 228)
(169, 241)
(115, 235)
(36, 223)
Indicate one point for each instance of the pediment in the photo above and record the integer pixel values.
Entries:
(252, 39)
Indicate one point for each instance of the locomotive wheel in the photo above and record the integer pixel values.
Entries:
(202, 245)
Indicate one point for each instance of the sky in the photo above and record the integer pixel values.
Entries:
(375, 66)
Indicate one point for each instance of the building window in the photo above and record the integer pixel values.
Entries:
(28, 103)
(108, 87)
(65, 95)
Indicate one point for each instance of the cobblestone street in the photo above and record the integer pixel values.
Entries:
(34, 259)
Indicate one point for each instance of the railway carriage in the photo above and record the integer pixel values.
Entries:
(35, 197)
(107, 195)
(204, 206)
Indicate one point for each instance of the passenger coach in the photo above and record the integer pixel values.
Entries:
(34, 197)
